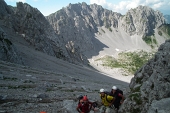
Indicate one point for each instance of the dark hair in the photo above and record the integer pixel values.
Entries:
(80, 97)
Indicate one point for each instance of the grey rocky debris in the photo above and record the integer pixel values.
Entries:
(46, 93)
(150, 87)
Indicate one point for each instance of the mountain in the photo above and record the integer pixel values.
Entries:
(38, 56)
(167, 18)
(80, 25)
(29, 24)
(142, 21)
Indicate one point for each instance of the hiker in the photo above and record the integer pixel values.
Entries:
(118, 95)
(84, 106)
(107, 102)
(80, 98)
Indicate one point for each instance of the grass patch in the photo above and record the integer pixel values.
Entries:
(150, 40)
(130, 61)
(136, 97)
(165, 28)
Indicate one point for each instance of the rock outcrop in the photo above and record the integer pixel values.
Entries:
(77, 24)
(142, 21)
(8, 51)
(29, 23)
(150, 87)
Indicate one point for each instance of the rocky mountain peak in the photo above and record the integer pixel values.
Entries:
(30, 24)
(142, 21)
(4, 9)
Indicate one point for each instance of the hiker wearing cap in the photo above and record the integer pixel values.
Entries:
(119, 98)
(107, 101)
(84, 106)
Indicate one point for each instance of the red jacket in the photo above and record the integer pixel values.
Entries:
(85, 107)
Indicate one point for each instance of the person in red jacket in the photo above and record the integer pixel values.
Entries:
(85, 106)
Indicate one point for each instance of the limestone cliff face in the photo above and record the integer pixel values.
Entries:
(142, 21)
(77, 24)
(150, 87)
(29, 23)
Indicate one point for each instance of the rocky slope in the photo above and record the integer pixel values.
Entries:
(54, 88)
(8, 50)
(28, 22)
(150, 87)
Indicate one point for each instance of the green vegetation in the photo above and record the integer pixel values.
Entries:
(139, 80)
(130, 61)
(110, 29)
(160, 33)
(127, 20)
(165, 29)
(136, 97)
(150, 40)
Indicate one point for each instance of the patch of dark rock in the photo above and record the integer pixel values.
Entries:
(45, 101)
(43, 96)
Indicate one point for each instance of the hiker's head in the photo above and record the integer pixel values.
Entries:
(102, 92)
(114, 88)
(80, 97)
(85, 99)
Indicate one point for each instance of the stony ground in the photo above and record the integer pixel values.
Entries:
(30, 90)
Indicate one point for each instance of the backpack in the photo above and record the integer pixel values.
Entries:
(120, 91)
(107, 94)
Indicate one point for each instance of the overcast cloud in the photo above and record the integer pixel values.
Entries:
(124, 5)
